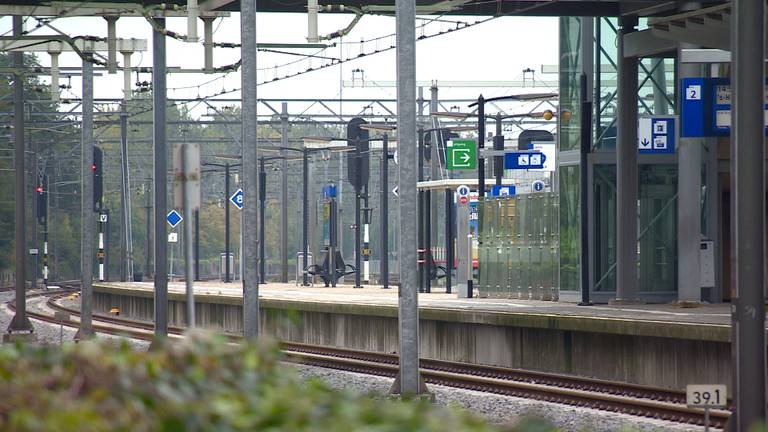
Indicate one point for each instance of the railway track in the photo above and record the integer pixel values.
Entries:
(585, 392)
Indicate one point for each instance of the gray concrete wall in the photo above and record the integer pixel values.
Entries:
(667, 362)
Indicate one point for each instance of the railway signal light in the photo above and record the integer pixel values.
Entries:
(98, 178)
(41, 194)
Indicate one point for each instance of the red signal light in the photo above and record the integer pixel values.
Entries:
(93, 167)
(39, 189)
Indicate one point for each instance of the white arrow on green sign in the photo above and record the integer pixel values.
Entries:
(461, 154)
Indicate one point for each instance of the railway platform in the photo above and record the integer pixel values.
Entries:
(661, 345)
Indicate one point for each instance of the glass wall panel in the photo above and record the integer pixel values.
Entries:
(570, 88)
(658, 228)
(605, 227)
(569, 228)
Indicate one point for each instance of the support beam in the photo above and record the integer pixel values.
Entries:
(283, 195)
(54, 75)
(626, 171)
(688, 206)
(161, 178)
(208, 45)
(127, 92)
(20, 323)
(250, 176)
(111, 43)
(585, 147)
(87, 218)
(408, 381)
(748, 217)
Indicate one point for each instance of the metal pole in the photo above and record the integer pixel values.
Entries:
(480, 146)
(305, 217)
(186, 156)
(366, 236)
(333, 234)
(498, 144)
(126, 251)
(161, 180)
(420, 212)
(357, 238)
(284, 195)
(197, 244)
(748, 222)
(227, 233)
(20, 323)
(384, 221)
(408, 316)
(250, 179)
(101, 252)
(34, 174)
(448, 239)
(586, 145)
(86, 207)
(626, 171)
(587, 67)
(358, 191)
(428, 262)
(148, 207)
(262, 217)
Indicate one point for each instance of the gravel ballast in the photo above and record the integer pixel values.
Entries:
(498, 409)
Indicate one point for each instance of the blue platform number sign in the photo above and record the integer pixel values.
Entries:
(706, 107)
(173, 218)
(237, 199)
(524, 160)
(502, 191)
(656, 134)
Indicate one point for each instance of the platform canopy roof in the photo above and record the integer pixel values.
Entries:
(425, 7)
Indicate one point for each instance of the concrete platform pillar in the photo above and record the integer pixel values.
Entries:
(689, 206)
(626, 171)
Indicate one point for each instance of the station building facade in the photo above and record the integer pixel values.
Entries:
(669, 258)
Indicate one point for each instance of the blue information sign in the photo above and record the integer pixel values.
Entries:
(656, 134)
(329, 191)
(524, 160)
(237, 199)
(500, 191)
(706, 107)
(173, 218)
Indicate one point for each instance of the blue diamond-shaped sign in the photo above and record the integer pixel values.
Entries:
(173, 218)
(237, 199)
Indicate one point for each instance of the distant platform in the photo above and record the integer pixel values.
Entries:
(705, 322)
(633, 343)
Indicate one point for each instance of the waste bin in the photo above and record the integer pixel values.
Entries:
(138, 276)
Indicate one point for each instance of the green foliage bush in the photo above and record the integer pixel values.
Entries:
(200, 384)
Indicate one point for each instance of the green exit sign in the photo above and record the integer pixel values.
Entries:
(461, 154)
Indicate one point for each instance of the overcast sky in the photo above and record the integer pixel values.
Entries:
(496, 50)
